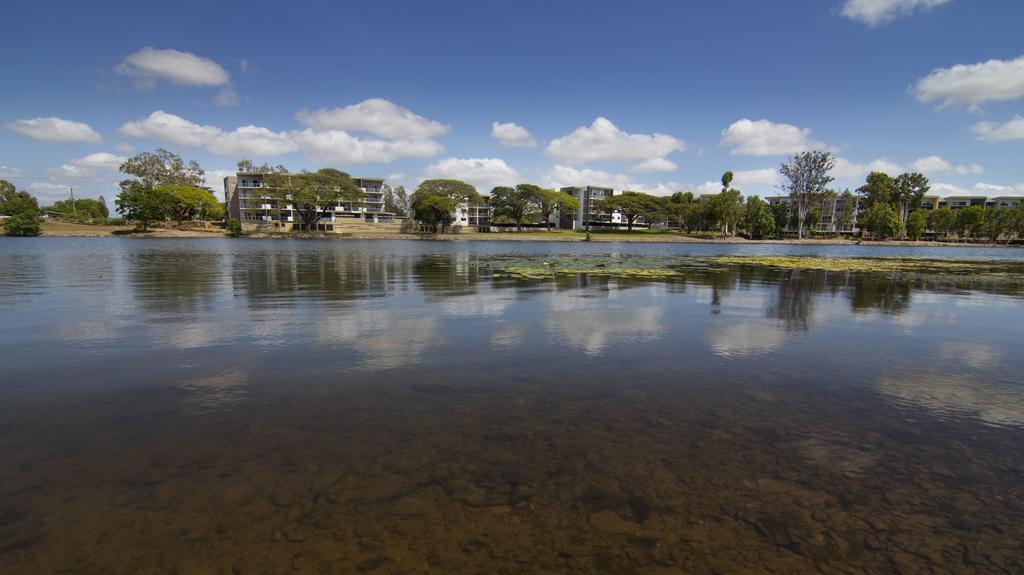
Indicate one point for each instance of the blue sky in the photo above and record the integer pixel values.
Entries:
(651, 95)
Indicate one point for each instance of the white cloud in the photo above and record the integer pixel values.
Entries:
(876, 12)
(124, 147)
(512, 135)
(993, 188)
(937, 165)
(765, 138)
(53, 129)
(654, 165)
(603, 140)
(973, 84)
(483, 173)
(214, 179)
(374, 116)
(48, 192)
(227, 98)
(183, 68)
(848, 171)
(943, 189)
(995, 132)
(755, 179)
(170, 129)
(338, 147)
(560, 176)
(251, 141)
(8, 172)
(88, 167)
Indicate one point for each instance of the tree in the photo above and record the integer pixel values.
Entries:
(883, 221)
(805, 178)
(142, 204)
(395, 200)
(312, 193)
(190, 202)
(781, 216)
(942, 221)
(82, 208)
(516, 203)
(551, 201)
(848, 216)
(631, 205)
(910, 189)
(161, 168)
(758, 218)
(21, 209)
(998, 221)
(916, 224)
(969, 221)
(813, 219)
(435, 201)
(880, 188)
(247, 166)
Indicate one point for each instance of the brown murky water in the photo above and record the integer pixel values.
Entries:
(341, 407)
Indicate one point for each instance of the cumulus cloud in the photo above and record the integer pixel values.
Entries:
(7, 172)
(483, 173)
(88, 167)
(876, 12)
(654, 165)
(845, 170)
(214, 179)
(603, 140)
(170, 129)
(765, 138)
(182, 68)
(943, 189)
(251, 141)
(937, 165)
(374, 116)
(973, 84)
(54, 129)
(48, 192)
(512, 135)
(995, 132)
(560, 176)
(339, 147)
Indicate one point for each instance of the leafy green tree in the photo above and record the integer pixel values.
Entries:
(310, 193)
(880, 188)
(970, 221)
(848, 215)
(435, 201)
(942, 221)
(916, 224)
(910, 189)
(395, 200)
(161, 168)
(21, 209)
(631, 205)
(143, 205)
(518, 203)
(192, 202)
(813, 219)
(781, 216)
(758, 218)
(550, 201)
(883, 221)
(998, 221)
(806, 178)
(82, 208)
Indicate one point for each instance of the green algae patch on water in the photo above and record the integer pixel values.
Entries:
(854, 264)
(544, 273)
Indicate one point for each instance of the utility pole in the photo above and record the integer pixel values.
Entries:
(74, 210)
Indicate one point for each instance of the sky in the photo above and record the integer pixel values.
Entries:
(654, 96)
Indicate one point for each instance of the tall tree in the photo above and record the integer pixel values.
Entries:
(517, 204)
(161, 168)
(848, 215)
(758, 218)
(631, 205)
(910, 189)
(310, 193)
(435, 201)
(191, 202)
(880, 188)
(551, 201)
(142, 204)
(781, 215)
(394, 201)
(21, 209)
(806, 178)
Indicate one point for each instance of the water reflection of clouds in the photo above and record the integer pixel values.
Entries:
(975, 355)
(385, 338)
(957, 396)
(748, 338)
(508, 336)
(487, 303)
(591, 329)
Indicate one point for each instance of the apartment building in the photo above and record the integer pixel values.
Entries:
(832, 209)
(960, 202)
(251, 202)
(475, 215)
(1011, 202)
(589, 215)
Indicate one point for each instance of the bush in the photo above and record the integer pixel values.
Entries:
(883, 221)
(916, 224)
(22, 223)
(234, 228)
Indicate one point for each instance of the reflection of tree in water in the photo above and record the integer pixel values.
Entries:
(447, 274)
(795, 298)
(886, 293)
(282, 277)
(174, 281)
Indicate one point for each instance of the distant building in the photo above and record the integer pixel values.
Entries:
(832, 209)
(588, 214)
(960, 202)
(250, 202)
(473, 215)
(1011, 202)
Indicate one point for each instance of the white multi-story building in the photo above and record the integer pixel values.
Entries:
(250, 202)
(832, 209)
(588, 215)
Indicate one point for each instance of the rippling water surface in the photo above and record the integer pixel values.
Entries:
(233, 406)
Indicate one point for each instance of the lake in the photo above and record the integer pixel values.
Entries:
(250, 406)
